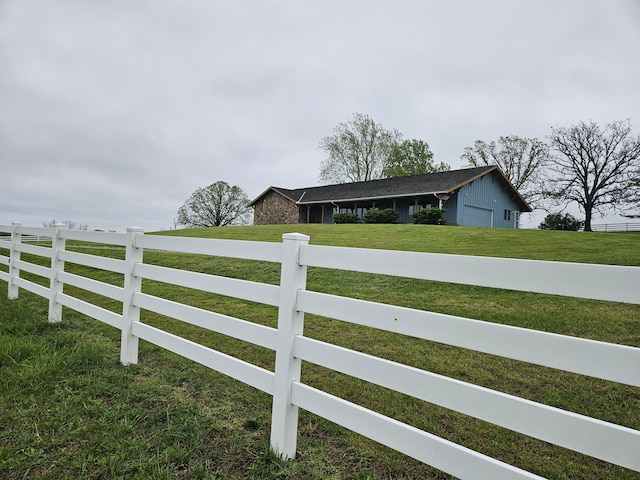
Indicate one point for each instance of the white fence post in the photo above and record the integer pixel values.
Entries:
(57, 265)
(284, 415)
(14, 256)
(130, 313)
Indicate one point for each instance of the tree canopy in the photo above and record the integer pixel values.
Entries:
(521, 159)
(559, 221)
(411, 157)
(357, 150)
(595, 167)
(217, 205)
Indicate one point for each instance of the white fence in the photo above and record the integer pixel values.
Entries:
(616, 227)
(606, 441)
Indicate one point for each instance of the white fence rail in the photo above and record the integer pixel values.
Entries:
(603, 440)
(616, 227)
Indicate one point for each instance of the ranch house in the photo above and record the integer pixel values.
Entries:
(480, 196)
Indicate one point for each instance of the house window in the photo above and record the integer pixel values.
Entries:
(339, 210)
(420, 206)
(507, 215)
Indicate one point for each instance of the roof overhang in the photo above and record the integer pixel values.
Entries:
(528, 208)
(270, 189)
(496, 168)
(365, 199)
(447, 190)
(473, 179)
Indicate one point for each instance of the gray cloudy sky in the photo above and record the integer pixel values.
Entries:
(113, 112)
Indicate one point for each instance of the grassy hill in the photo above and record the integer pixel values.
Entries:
(69, 410)
(614, 248)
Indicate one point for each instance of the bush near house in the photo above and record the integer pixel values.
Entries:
(557, 221)
(345, 217)
(375, 215)
(429, 216)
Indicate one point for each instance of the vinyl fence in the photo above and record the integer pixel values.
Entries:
(606, 441)
(616, 227)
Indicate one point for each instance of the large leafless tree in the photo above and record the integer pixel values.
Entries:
(595, 167)
(521, 159)
(217, 205)
(357, 150)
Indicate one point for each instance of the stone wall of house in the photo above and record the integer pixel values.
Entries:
(273, 208)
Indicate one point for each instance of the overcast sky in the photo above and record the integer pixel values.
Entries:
(113, 112)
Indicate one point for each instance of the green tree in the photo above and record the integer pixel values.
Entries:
(215, 206)
(521, 159)
(411, 157)
(357, 150)
(558, 221)
(594, 167)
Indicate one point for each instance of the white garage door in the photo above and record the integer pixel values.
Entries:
(476, 217)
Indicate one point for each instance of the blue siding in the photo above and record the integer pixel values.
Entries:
(486, 194)
(328, 214)
(405, 208)
(482, 202)
(451, 209)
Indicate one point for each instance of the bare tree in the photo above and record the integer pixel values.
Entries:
(594, 167)
(634, 202)
(69, 224)
(357, 150)
(521, 159)
(217, 205)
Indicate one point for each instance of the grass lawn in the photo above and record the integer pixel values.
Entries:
(68, 409)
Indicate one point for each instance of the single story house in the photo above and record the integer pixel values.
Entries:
(479, 196)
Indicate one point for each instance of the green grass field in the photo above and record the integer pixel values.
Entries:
(68, 409)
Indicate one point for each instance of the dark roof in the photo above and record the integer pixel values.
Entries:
(413, 185)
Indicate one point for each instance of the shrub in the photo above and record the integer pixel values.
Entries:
(429, 216)
(557, 221)
(388, 215)
(346, 218)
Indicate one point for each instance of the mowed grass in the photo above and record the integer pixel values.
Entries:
(70, 410)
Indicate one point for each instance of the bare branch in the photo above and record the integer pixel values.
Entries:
(357, 150)
(521, 159)
(594, 167)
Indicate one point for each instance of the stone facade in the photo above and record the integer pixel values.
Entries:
(274, 208)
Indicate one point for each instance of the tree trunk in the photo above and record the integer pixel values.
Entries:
(588, 212)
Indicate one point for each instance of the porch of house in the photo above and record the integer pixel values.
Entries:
(406, 207)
